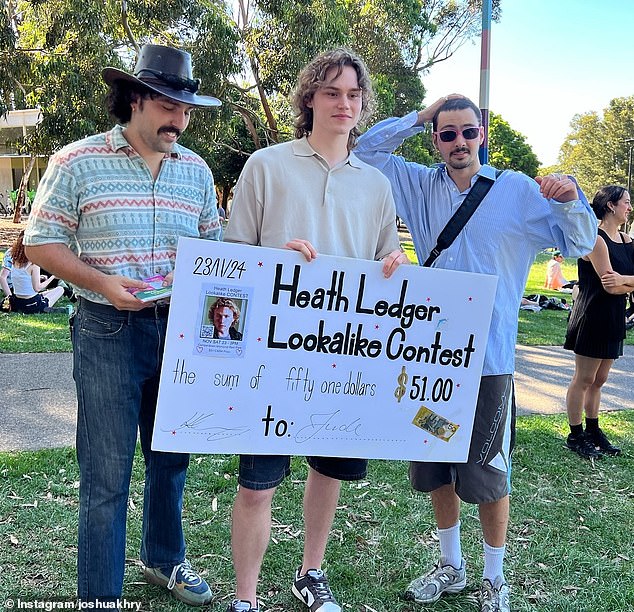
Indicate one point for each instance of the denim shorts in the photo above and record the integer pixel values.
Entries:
(486, 476)
(259, 472)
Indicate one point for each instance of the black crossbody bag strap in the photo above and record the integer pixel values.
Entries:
(461, 216)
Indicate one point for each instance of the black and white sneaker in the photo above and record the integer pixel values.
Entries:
(241, 605)
(313, 590)
(602, 444)
(583, 446)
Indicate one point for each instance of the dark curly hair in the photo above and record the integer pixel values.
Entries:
(120, 97)
(313, 76)
(605, 195)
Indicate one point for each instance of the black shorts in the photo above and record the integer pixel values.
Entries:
(33, 305)
(486, 476)
(259, 472)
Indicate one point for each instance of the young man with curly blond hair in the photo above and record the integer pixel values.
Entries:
(311, 195)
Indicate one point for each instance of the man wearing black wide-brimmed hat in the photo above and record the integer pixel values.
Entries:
(107, 215)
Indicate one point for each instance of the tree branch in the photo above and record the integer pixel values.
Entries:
(126, 25)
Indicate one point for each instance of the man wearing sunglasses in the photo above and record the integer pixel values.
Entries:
(517, 218)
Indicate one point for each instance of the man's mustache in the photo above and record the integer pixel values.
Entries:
(461, 150)
(171, 130)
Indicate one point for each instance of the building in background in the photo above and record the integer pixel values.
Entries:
(14, 126)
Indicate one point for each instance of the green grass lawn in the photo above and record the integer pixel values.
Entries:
(570, 541)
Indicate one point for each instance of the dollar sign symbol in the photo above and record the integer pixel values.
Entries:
(402, 381)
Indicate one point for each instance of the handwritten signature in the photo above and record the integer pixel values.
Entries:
(197, 422)
(326, 423)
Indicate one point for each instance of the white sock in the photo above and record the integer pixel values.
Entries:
(450, 550)
(493, 562)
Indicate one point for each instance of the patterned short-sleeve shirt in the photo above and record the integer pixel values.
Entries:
(100, 199)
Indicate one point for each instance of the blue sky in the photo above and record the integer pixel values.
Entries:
(550, 59)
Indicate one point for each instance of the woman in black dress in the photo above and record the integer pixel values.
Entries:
(596, 328)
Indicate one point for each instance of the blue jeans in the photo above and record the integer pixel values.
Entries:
(117, 360)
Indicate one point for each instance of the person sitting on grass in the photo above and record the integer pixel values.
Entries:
(555, 278)
(5, 277)
(30, 295)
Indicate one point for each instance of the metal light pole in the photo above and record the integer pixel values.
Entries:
(485, 52)
(629, 165)
(630, 141)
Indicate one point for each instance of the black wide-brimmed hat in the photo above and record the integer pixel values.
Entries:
(167, 71)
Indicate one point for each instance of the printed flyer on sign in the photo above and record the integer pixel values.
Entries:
(267, 353)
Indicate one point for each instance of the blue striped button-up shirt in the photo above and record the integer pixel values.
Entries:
(511, 225)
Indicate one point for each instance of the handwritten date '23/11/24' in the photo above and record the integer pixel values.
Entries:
(219, 267)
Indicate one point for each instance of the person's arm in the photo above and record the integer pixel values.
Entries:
(376, 147)
(388, 248)
(36, 279)
(52, 227)
(247, 209)
(573, 224)
(58, 259)
(209, 226)
(616, 283)
(4, 281)
(612, 282)
(377, 144)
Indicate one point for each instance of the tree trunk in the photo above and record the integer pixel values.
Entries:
(24, 183)
(225, 197)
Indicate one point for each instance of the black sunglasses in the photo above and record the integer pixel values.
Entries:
(450, 135)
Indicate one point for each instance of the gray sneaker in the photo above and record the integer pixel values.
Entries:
(183, 582)
(494, 597)
(440, 579)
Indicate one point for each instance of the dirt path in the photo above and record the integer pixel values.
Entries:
(9, 232)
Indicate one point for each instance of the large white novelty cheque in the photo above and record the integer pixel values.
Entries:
(269, 354)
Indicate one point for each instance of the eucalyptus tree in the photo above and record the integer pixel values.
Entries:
(400, 41)
(53, 52)
(248, 53)
(508, 148)
(596, 151)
